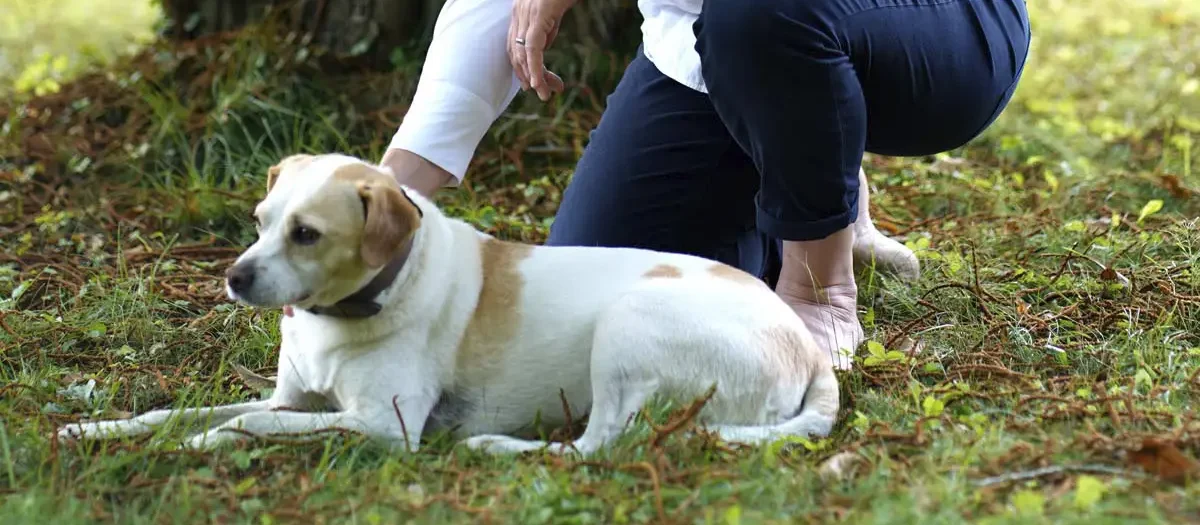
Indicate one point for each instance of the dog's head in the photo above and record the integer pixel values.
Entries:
(328, 224)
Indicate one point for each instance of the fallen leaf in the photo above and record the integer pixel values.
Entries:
(80, 391)
(1029, 503)
(252, 379)
(1164, 460)
(839, 466)
(932, 406)
(1088, 491)
(162, 380)
(910, 347)
(1176, 186)
(1151, 207)
(39, 146)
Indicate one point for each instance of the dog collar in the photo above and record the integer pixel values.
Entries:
(361, 304)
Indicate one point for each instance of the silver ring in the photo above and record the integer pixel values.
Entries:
(519, 41)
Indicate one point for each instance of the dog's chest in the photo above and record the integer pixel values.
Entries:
(317, 355)
(312, 373)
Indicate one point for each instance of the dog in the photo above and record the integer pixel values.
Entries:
(407, 321)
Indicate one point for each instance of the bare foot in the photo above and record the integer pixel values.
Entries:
(886, 255)
(832, 319)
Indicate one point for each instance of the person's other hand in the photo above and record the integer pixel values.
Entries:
(533, 28)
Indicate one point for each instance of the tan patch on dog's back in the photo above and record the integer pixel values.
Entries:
(496, 321)
(663, 271)
(724, 271)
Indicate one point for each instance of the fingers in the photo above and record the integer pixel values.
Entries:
(553, 33)
(553, 82)
(535, 43)
(517, 28)
(531, 30)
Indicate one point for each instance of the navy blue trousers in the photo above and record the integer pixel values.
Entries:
(798, 90)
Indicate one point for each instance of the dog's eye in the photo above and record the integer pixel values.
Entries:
(305, 235)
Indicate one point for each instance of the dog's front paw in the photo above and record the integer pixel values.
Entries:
(482, 443)
(206, 441)
(71, 432)
(198, 443)
(499, 444)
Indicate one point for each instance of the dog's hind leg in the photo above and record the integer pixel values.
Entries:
(614, 402)
(619, 389)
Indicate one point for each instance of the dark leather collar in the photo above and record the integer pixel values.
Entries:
(361, 304)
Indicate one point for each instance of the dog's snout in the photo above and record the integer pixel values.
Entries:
(240, 278)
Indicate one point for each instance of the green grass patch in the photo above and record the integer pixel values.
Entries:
(47, 42)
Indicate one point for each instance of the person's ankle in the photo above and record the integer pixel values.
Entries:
(841, 296)
(821, 263)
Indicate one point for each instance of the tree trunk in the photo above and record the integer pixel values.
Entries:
(372, 29)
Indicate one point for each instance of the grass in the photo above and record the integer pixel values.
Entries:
(45, 43)
(1054, 330)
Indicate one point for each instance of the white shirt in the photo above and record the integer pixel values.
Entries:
(467, 81)
(668, 40)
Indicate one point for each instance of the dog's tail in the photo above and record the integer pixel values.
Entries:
(816, 417)
(820, 408)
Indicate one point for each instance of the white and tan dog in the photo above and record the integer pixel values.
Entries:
(408, 321)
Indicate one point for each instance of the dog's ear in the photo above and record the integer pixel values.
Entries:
(392, 217)
(273, 175)
(274, 171)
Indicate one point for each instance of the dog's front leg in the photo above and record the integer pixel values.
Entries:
(155, 418)
(380, 422)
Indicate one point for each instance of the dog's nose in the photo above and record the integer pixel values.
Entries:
(240, 277)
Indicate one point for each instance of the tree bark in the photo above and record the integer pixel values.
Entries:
(372, 29)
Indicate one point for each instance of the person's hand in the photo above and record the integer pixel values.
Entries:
(533, 27)
(831, 317)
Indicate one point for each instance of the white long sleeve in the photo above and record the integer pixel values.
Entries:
(466, 83)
